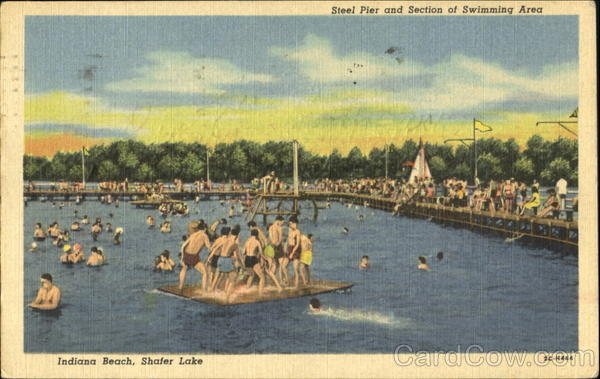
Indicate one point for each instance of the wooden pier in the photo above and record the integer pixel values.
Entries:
(543, 229)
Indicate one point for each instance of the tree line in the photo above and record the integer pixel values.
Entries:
(546, 161)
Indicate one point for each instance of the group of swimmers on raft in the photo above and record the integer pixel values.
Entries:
(228, 262)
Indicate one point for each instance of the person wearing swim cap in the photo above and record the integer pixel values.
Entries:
(48, 296)
(34, 247)
(276, 237)
(191, 253)
(66, 257)
(77, 255)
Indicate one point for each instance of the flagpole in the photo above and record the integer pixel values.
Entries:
(83, 167)
(474, 154)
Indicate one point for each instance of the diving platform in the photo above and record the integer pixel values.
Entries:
(242, 295)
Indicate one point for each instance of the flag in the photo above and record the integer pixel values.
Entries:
(478, 125)
(574, 114)
(85, 151)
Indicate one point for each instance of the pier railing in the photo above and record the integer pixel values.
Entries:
(548, 229)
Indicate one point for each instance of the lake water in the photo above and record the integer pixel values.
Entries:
(495, 294)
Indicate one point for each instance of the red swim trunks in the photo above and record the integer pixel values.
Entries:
(191, 260)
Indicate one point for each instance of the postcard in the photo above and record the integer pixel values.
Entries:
(299, 189)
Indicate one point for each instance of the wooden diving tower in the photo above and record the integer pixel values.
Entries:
(261, 206)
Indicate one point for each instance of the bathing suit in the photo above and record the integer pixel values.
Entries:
(296, 254)
(191, 260)
(278, 251)
(306, 257)
(225, 264)
(250, 261)
(214, 260)
(269, 251)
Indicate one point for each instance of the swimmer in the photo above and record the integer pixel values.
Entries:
(361, 218)
(165, 227)
(345, 230)
(54, 230)
(66, 258)
(110, 215)
(77, 255)
(191, 253)
(440, 256)
(364, 262)
(96, 257)
(109, 227)
(117, 236)
(48, 296)
(96, 230)
(85, 220)
(33, 247)
(38, 233)
(117, 203)
(423, 263)
(165, 263)
(75, 213)
(75, 226)
(314, 305)
(150, 221)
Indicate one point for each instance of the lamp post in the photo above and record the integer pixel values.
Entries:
(387, 150)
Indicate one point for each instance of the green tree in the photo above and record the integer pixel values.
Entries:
(524, 170)
(106, 171)
(558, 168)
(438, 168)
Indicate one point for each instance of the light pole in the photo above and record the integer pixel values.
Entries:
(387, 150)
(477, 126)
(207, 164)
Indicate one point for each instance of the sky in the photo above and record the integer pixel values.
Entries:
(331, 82)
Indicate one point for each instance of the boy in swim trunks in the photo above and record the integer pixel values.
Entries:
(191, 252)
(276, 237)
(293, 247)
(48, 296)
(212, 262)
(252, 249)
(306, 257)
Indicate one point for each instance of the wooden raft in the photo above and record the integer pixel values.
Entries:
(243, 296)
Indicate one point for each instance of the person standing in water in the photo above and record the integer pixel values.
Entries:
(38, 233)
(423, 264)
(293, 247)
(48, 296)
(276, 237)
(191, 252)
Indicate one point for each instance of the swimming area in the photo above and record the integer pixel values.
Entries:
(485, 291)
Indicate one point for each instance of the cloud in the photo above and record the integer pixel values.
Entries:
(180, 72)
(457, 83)
(318, 62)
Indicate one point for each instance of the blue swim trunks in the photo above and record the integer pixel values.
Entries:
(225, 264)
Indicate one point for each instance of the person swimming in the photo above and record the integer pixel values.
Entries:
(109, 227)
(96, 258)
(440, 256)
(150, 221)
(66, 258)
(165, 227)
(364, 262)
(345, 230)
(314, 305)
(361, 218)
(38, 233)
(117, 236)
(48, 296)
(85, 220)
(423, 263)
(77, 255)
(34, 247)
(163, 262)
(96, 230)
(75, 227)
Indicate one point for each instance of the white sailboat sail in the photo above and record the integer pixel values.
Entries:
(420, 168)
